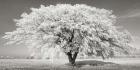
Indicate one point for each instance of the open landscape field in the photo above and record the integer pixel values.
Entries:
(81, 64)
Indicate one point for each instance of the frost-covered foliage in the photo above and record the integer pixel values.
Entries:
(71, 28)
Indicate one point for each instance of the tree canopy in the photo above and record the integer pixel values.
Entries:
(71, 28)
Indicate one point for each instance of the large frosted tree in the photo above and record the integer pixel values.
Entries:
(72, 29)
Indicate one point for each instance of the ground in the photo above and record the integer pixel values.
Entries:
(81, 64)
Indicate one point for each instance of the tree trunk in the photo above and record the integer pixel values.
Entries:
(71, 57)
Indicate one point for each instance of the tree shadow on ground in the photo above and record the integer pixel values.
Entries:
(91, 63)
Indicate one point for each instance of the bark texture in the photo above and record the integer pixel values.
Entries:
(72, 57)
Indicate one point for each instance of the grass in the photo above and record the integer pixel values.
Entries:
(88, 64)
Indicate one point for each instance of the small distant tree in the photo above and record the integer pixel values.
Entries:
(72, 28)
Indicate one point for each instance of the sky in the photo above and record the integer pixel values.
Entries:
(127, 12)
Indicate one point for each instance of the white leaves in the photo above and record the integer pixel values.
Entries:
(42, 6)
(24, 15)
(39, 28)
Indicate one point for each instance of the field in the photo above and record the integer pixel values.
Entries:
(81, 64)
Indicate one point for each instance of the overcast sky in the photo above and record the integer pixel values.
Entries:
(127, 11)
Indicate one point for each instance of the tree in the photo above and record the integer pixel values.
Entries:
(74, 29)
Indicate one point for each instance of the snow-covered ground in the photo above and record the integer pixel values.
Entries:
(61, 64)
